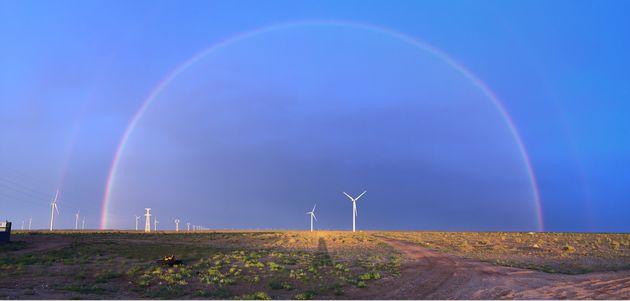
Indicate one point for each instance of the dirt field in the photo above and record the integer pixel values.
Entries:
(319, 265)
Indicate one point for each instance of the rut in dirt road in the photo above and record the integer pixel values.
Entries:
(427, 274)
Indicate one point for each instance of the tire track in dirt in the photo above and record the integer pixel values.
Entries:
(426, 274)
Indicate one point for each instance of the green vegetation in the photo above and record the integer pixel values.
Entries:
(215, 265)
(264, 265)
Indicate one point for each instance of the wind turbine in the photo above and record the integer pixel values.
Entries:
(53, 208)
(312, 214)
(147, 224)
(177, 225)
(155, 223)
(354, 209)
(137, 219)
(76, 221)
(83, 224)
(187, 226)
(22, 225)
(30, 221)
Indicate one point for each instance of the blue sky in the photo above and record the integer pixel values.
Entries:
(255, 133)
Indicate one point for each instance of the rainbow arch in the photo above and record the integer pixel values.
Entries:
(242, 36)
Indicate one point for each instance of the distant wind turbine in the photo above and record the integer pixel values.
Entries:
(177, 225)
(83, 224)
(137, 219)
(354, 209)
(22, 225)
(312, 215)
(30, 221)
(155, 223)
(187, 226)
(53, 208)
(76, 221)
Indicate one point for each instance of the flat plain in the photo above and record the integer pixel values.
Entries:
(314, 265)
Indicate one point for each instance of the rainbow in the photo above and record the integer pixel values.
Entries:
(242, 36)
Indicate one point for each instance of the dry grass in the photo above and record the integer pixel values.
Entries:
(248, 265)
(267, 264)
(570, 253)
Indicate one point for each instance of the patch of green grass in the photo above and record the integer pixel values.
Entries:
(106, 276)
(255, 296)
(307, 295)
(165, 292)
(13, 246)
(370, 276)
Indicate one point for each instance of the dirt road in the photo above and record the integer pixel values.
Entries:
(430, 275)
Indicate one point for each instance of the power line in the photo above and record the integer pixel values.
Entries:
(25, 187)
(26, 193)
(29, 201)
(24, 175)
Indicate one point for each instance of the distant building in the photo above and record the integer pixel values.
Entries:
(5, 231)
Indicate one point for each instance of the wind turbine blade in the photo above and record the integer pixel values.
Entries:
(314, 208)
(56, 195)
(56, 208)
(351, 199)
(360, 195)
(315, 217)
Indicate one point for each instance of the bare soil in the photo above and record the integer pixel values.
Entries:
(428, 274)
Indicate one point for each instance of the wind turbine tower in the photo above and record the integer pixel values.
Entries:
(354, 209)
(147, 224)
(137, 219)
(76, 221)
(30, 221)
(83, 224)
(155, 223)
(22, 225)
(177, 225)
(53, 208)
(187, 226)
(312, 214)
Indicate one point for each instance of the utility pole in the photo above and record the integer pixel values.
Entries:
(147, 224)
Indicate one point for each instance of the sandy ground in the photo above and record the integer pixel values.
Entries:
(430, 275)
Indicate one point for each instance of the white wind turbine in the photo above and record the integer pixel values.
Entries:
(354, 209)
(30, 221)
(187, 226)
(53, 208)
(155, 223)
(177, 225)
(137, 219)
(83, 224)
(22, 225)
(312, 215)
(76, 221)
